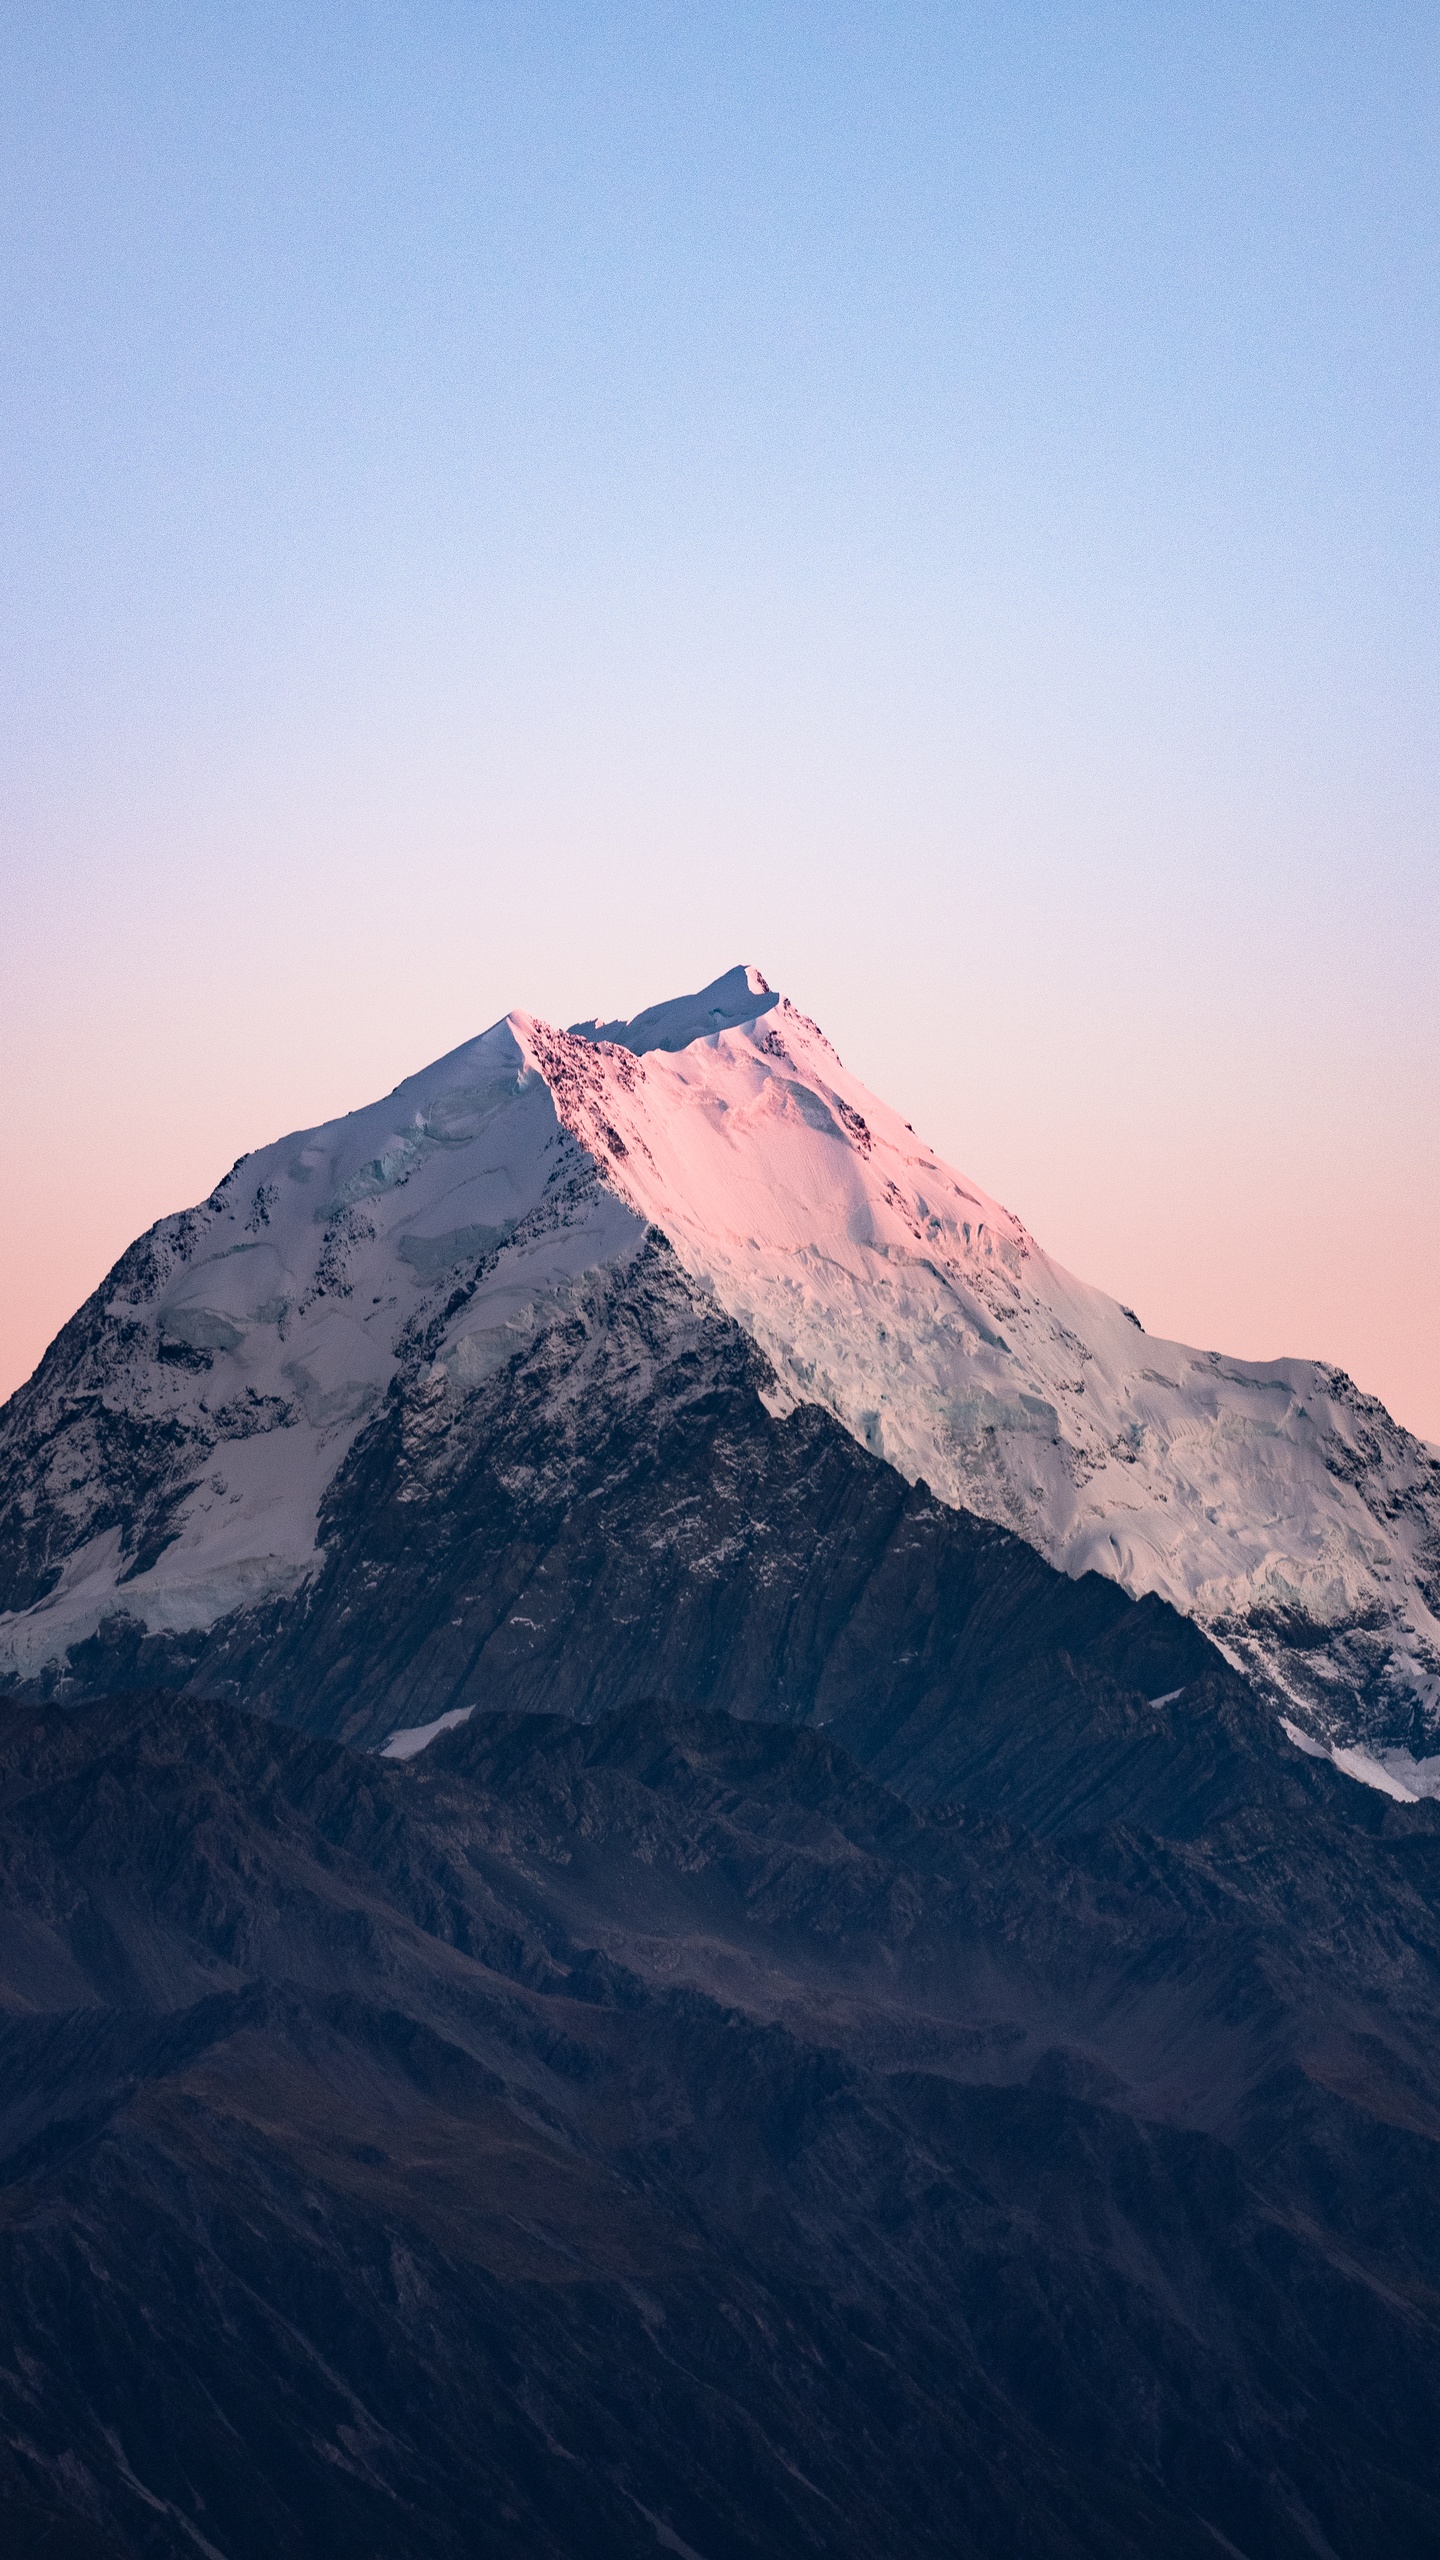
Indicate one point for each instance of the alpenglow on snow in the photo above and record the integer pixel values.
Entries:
(167, 1464)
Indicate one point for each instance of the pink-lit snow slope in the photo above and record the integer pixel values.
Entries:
(1271, 1500)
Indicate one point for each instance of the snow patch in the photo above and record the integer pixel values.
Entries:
(1355, 1762)
(409, 1740)
(1395, 1772)
(1304, 1741)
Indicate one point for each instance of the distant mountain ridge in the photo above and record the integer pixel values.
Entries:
(651, 2135)
(357, 1301)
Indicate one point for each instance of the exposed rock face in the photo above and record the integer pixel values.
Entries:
(586, 2139)
(616, 1515)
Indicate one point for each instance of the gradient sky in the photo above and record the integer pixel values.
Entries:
(528, 505)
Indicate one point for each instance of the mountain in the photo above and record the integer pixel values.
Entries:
(545, 1370)
(678, 1869)
(651, 2134)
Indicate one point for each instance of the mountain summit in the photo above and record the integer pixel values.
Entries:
(185, 1456)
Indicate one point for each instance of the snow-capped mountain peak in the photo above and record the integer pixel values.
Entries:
(172, 1454)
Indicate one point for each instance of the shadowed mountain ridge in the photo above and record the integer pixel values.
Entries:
(655, 2132)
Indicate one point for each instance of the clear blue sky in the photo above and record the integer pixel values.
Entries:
(533, 504)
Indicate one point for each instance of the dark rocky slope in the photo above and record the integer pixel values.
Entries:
(655, 2134)
(616, 1515)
